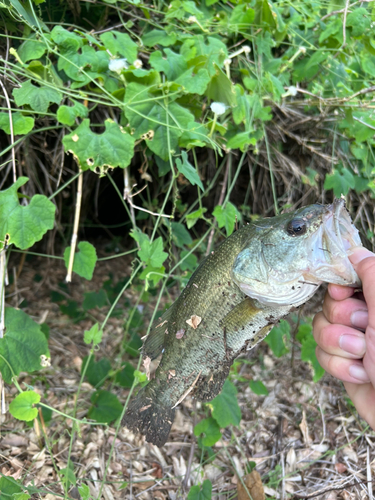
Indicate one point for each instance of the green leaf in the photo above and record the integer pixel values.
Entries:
(125, 377)
(225, 409)
(9, 487)
(113, 148)
(221, 89)
(153, 274)
(226, 217)
(22, 346)
(21, 124)
(258, 387)
(69, 478)
(241, 141)
(180, 235)
(38, 98)
(201, 492)
(27, 15)
(192, 218)
(65, 39)
(93, 335)
(340, 182)
(210, 430)
(359, 20)
(31, 49)
(84, 260)
(150, 253)
(22, 406)
(159, 37)
(241, 18)
(120, 44)
(368, 63)
(187, 169)
(145, 113)
(96, 371)
(106, 407)
(278, 337)
(190, 263)
(84, 491)
(308, 354)
(67, 114)
(24, 224)
(94, 299)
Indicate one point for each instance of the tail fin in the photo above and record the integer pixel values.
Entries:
(149, 418)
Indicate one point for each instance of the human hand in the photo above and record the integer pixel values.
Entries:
(345, 334)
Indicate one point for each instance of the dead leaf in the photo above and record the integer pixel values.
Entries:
(14, 440)
(194, 321)
(146, 364)
(350, 453)
(305, 429)
(171, 373)
(254, 485)
(340, 468)
(158, 472)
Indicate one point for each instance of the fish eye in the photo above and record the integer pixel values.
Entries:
(296, 227)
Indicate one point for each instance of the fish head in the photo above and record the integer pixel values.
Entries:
(288, 256)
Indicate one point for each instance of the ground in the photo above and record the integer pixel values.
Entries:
(304, 437)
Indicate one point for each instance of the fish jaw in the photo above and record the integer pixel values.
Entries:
(331, 246)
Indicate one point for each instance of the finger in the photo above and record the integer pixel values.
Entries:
(350, 312)
(364, 263)
(363, 398)
(338, 292)
(347, 370)
(338, 340)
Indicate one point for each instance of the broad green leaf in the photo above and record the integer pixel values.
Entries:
(187, 169)
(150, 253)
(192, 218)
(159, 37)
(113, 148)
(340, 182)
(225, 409)
(22, 406)
(84, 65)
(65, 39)
(226, 217)
(93, 335)
(84, 490)
(308, 354)
(180, 235)
(334, 27)
(120, 44)
(69, 478)
(368, 63)
(178, 9)
(67, 114)
(9, 487)
(31, 49)
(221, 89)
(195, 135)
(278, 337)
(96, 371)
(24, 224)
(168, 120)
(241, 141)
(214, 50)
(21, 124)
(359, 20)
(153, 274)
(38, 98)
(133, 344)
(94, 299)
(26, 14)
(84, 260)
(210, 430)
(190, 263)
(125, 377)
(241, 18)
(201, 492)
(106, 407)
(258, 387)
(23, 346)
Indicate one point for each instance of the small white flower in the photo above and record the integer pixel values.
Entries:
(192, 19)
(218, 108)
(118, 65)
(138, 64)
(302, 50)
(292, 90)
(227, 62)
(246, 49)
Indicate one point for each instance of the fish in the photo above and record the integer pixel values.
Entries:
(256, 276)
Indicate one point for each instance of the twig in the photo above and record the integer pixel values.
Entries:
(11, 130)
(369, 477)
(344, 25)
(73, 243)
(192, 448)
(2, 319)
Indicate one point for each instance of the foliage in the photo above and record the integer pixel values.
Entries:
(170, 96)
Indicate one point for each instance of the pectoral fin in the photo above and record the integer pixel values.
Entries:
(239, 317)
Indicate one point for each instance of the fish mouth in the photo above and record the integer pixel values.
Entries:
(331, 246)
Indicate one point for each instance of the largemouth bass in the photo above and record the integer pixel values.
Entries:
(255, 277)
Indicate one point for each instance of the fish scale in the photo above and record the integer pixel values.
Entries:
(235, 298)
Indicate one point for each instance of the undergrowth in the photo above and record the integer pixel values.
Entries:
(198, 116)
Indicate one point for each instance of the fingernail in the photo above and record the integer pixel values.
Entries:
(353, 345)
(359, 319)
(360, 253)
(359, 373)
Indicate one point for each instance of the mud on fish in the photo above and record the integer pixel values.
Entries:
(255, 277)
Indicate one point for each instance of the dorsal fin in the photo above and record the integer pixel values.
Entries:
(154, 342)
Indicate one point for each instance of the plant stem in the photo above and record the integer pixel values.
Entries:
(75, 227)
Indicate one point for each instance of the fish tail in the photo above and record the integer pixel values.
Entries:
(152, 419)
